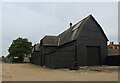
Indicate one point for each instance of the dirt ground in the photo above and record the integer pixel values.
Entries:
(30, 72)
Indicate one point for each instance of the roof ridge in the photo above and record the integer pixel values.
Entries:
(75, 24)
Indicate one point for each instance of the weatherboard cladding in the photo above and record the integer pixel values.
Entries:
(70, 47)
(113, 60)
(62, 57)
(91, 35)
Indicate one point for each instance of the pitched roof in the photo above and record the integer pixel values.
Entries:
(113, 52)
(50, 40)
(70, 34)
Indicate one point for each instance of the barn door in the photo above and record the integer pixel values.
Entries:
(93, 55)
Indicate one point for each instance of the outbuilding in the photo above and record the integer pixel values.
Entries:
(113, 58)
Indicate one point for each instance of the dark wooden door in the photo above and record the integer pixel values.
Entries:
(93, 55)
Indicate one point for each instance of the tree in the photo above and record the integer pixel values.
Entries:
(20, 47)
(3, 58)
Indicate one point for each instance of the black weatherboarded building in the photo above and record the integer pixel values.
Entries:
(82, 44)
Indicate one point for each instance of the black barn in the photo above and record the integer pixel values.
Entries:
(82, 44)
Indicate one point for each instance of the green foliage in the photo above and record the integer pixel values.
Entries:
(20, 47)
(0, 59)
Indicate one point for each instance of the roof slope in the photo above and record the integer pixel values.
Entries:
(50, 40)
(70, 34)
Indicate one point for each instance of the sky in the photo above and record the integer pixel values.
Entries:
(34, 20)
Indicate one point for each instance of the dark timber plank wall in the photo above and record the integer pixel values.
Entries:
(63, 57)
(113, 60)
(90, 35)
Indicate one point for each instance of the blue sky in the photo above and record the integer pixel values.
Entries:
(34, 20)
